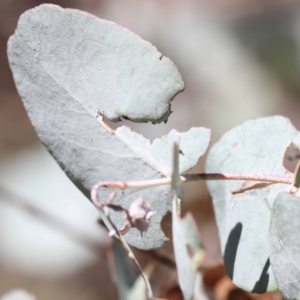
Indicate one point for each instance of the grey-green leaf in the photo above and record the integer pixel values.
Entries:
(70, 68)
(188, 251)
(284, 244)
(254, 147)
(101, 65)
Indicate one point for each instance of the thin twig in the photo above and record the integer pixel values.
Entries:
(236, 176)
(195, 177)
(105, 210)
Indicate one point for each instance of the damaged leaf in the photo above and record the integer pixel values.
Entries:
(254, 147)
(70, 68)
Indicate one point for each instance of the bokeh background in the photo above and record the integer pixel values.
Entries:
(240, 59)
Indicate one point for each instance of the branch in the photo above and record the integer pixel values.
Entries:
(236, 176)
(105, 210)
(194, 177)
(104, 206)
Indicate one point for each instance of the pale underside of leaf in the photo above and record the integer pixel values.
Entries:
(254, 147)
(69, 67)
(187, 247)
(284, 243)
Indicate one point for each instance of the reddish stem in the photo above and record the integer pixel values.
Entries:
(236, 176)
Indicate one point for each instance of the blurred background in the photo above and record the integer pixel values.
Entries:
(239, 59)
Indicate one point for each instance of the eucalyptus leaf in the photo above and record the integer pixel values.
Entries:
(70, 68)
(188, 251)
(243, 219)
(284, 244)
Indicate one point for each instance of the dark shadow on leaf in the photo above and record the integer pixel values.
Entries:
(231, 248)
(261, 285)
